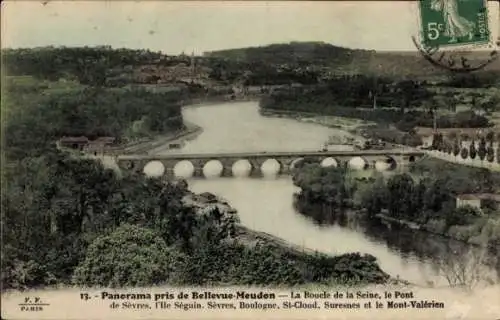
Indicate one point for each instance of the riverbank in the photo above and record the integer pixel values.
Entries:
(199, 102)
(349, 125)
(409, 224)
(148, 145)
(254, 240)
(344, 123)
(469, 234)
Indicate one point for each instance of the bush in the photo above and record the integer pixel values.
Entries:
(461, 232)
(21, 275)
(130, 256)
(436, 225)
(462, 216)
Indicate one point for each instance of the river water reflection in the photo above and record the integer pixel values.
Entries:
(267, 204)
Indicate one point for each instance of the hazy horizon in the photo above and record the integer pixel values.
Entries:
(190, 26)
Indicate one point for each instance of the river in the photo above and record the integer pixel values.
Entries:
(266, 204)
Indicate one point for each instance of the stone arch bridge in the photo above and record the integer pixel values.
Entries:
(359, 160)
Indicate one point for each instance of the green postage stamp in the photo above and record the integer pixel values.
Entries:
(454, 23)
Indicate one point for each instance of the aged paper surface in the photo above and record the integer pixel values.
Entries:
(241, 160)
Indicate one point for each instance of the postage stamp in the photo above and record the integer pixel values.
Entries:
(250, 160)
(454, 23)
(452, 32)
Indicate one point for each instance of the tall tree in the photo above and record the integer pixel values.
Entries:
(490, 136)
(374, 198)
(498, 153)
(456, 147)
(406, 89)
(401, 190)
(481, 152)
(490, 152)
(472, 149)
(435, 142)
(464, 153)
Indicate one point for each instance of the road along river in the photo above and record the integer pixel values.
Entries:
(266, 204)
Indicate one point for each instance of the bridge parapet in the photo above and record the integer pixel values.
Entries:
(287, 160)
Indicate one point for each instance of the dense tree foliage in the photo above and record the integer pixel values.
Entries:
(352, 91)
(320, 56)
(294, 52)
(392, 135)
(36, 116)
(84, 224)
(482, 79)
(352, 97)
(89, 65)
(401, 201)
(320, 184)
(130, 256)
(431, 197)
(265, 264)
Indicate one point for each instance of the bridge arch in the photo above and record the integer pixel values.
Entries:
(183, 169)
(271, 166)
(213, 168)
(388, 163)
(296, 163)
(329, 162)
(358, 163)
(154, 168)
(241, 168)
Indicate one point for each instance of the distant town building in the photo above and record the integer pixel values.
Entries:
(478, 200)
(77, 143)
(100, 144)
(468, 200)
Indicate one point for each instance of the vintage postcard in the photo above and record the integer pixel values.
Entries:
(250, 160)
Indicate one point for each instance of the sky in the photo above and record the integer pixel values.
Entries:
(191, 26)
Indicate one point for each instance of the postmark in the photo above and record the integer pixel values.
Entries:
(456, 34)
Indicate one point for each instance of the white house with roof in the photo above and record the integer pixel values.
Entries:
(468, 200)
(477, 200)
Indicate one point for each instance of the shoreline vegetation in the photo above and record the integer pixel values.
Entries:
(370, 198)
(421, 199)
